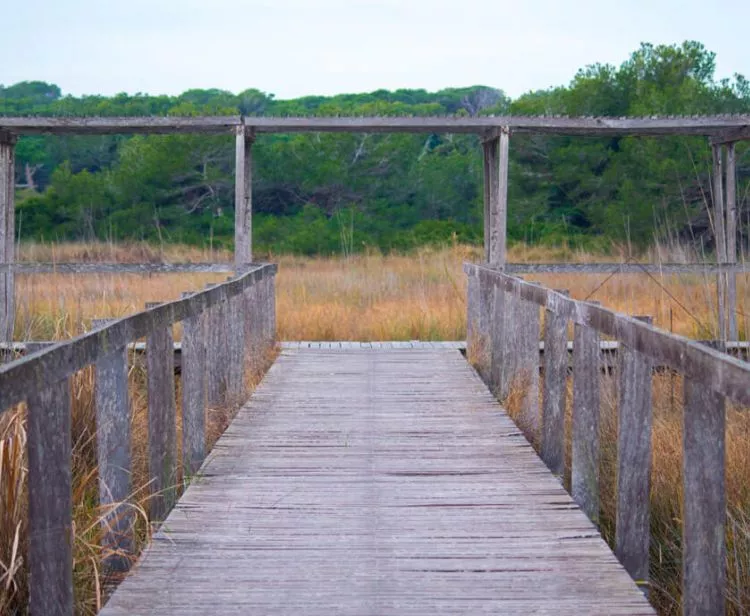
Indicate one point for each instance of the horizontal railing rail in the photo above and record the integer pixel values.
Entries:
(510, 268)
(222, 327)
(504, 329)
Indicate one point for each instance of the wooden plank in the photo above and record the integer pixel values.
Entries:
(731, 239)
(50, 548)
(496, 376)
(243, 200)
(634, 419)
(704, 505)
(193, 394)
(585, 429)
(162, 423)
(376, 481)
(7, 235)
(472, 311)
(112, 403)
(235, 328)
(489, 150)
(553, 399)
(646, 126)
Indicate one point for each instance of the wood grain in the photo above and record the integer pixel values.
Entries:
(704, 508)
(553, 399)
(7, 235)
(50, 548)
(375, 481)
(193, 394)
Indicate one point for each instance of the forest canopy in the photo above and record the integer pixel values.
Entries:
(327, 193)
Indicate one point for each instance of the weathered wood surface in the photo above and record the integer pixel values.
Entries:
(585, 424)
(704, 509)
(61, 360)
(7, 235)
(193, 363)
(634, 422)
(112, 403)
(656, 126)
(725, 374)
(243, 201)
(375, 481)
(731, 229)
(553, 398)
(510, 268)
(162, 423)
(50, 549)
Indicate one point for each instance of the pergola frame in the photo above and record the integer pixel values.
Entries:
(723, 131)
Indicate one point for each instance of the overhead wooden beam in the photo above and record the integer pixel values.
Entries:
(712, 126)
(7, 235)
(243, 200)
(730, 136)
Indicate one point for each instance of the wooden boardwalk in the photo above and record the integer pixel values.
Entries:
(375, 481)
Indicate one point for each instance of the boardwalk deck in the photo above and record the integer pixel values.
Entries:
(375, 481)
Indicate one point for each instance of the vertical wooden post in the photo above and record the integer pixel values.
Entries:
(704, 508)
(511, 324)
(487, 313)
(162, 421)
(553, 402)
(586, 400)
(720, 237)
(50, 550)
(212, 331)
(272, 304)
(634, 418)
(489, 150)
(113, 454)
(497, 338)
(243, 200)
(472, 310)
(193, 394)
(496, 196)
(731, 239)
(529, 360)
(7, 235)
(236, 348)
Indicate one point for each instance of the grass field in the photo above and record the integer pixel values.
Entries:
(363, 297)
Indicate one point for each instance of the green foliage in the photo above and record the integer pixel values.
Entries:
(325, 193)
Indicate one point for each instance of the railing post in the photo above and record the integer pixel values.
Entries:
(731, 239)
(50, 550)
(529, 362)
(487, 314)
(635, 416)
(497, 338)
(272, 304)
(236, 348)
(217, 358)
(112, 403)
(472, 312)
(193, 394)
(585, 429)
(162, 420)
(7, 235)
(555, 375)
(704, 506)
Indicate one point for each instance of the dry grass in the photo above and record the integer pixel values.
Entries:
(362, 297)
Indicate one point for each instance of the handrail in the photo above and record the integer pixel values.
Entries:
(503, 324)
(222, 326)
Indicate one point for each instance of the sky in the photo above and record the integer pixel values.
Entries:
(296, 47)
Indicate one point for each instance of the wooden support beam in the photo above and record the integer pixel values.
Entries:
(720, 237)
(704, 506)
(731, 136)
(243, 200)
(731, 232)
(7, 235)
(50, 549)
(496, 196)
(193, 362)
(555, 376)
(634, 417)
(162, 422)
(112, 403)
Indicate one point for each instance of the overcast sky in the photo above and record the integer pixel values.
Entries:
(297, 47)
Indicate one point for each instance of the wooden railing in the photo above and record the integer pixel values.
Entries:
(504, 329)
(221, 327)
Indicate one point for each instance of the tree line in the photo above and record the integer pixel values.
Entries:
(327, 193)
